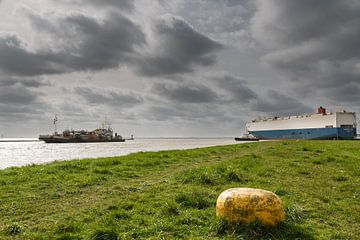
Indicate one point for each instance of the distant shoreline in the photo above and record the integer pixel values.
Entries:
(19, 140)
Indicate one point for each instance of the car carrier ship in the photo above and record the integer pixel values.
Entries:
(320, 125)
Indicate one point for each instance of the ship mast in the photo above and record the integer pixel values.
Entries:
(106, 124)
(55, 123)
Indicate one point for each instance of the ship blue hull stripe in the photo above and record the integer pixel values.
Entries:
(308, 133)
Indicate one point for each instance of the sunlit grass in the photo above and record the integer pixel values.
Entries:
(172, 194)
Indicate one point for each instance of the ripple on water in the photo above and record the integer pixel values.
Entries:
(24, 153)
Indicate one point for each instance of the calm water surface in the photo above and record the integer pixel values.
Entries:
(24, 153)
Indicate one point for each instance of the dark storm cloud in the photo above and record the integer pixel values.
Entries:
(232, 3)
(24, 113)
(88, 44)
(95, 45)
(276, 102)
(314, 43)
(223, 91)
(71, 110)
(18, 103)
(16, 95)
(100, 96)
(173, 110)
(163, 113)
(29, 83)
(225, 21)
(15, 59)
(237, 88)
(84, 43)
(292, 22)
(186, 93)
(238, 92)
(34, 83)
(179, 49)
(120, 4)
(346, 93)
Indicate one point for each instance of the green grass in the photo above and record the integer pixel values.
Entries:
(172, 194)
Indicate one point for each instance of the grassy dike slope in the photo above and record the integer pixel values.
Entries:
(172, 194)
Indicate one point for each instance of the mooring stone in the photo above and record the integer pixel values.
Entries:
(247, 205)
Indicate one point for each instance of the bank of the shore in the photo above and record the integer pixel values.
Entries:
(172, 194)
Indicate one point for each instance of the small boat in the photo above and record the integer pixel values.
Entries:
(246, 137)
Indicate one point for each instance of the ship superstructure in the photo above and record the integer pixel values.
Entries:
(320, 125)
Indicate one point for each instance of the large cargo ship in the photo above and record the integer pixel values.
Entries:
(320, 125)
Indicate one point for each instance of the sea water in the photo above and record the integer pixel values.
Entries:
(37, 152)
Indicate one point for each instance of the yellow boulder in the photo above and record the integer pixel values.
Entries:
(246, 205)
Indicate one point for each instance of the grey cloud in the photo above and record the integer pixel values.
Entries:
(15, 59)
(163, 113)
(121, 4)
(238, 92)
(232, 3)
(7, 81)
(180, 48)
(293, 22)
(71, 110)
(226, 21)
(184, 111)
(313, 43)
(88, 45)
(16, 95)
(34, 83)
(237, 88)
(277, 103)
(18, 102)
(83, 43)
(347, 93)
(102, 96)
(19, 115)
(96, 45)
(21, 111)
(104, 46)
(186, 93)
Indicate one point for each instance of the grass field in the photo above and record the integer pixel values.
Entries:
(172, 194)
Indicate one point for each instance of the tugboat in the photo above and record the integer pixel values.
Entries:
(103, 134)
(246, 137)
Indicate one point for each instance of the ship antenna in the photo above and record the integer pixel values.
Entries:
(55, 123)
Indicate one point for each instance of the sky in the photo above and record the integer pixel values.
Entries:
(173, 68)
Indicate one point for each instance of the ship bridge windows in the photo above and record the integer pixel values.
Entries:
(346, 126)
(329, 126)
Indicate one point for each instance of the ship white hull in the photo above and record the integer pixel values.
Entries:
(309, 133)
